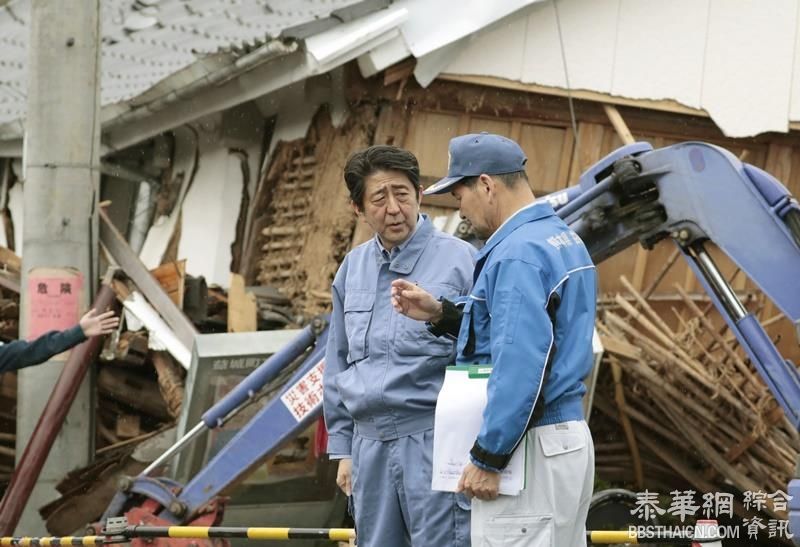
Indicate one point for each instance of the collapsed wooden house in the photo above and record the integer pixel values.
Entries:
(255, 189)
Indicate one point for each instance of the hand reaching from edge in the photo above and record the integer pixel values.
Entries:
(95, 325)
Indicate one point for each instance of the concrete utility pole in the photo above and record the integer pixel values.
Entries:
(59, 252)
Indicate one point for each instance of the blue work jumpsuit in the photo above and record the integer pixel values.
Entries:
(383, 372)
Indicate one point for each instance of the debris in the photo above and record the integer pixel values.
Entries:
(161, 337)
(688, 387)
(183, 329)
(133, 389)
(171, 277)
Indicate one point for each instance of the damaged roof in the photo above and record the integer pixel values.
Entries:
(145, 41)
(169, 62)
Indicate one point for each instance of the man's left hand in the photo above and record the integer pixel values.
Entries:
(479, 483)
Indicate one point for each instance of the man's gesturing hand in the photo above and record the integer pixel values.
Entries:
(479, 483)
(415, 302)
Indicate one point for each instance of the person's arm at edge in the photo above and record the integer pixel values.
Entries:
(21, 353)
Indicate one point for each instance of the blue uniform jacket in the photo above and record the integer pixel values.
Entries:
(383, 371)
(530, 314)
(21, 353)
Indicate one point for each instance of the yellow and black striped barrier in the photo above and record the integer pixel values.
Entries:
(602, 537)
(332, 534)
(608, 537)
(60, 541)
(184, 532)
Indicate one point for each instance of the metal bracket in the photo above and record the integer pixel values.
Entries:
(115, 526)
(797, 330)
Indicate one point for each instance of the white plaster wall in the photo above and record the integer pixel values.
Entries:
(735, 59)
(209, 215)
(647, 63)
(748, 65)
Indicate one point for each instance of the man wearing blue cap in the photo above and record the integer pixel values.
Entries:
(530, 315)
(383, 371)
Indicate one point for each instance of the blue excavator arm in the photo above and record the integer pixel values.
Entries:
(297, 404)
(696, 193)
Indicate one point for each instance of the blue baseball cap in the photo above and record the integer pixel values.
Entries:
(476, 154)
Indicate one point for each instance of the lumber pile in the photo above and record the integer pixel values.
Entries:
(680, 405)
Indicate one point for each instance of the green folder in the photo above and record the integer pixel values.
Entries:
(475, 371)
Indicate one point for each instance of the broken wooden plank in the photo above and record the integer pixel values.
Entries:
(170, 382)
(10, 261)
(160, 336)
(620, 347)
(619, 397)
(133, 390)
(619, 124)
(131, 349)
(171, 277)
(242, 307)
(128, 426)
(129, 262)
(10, 281)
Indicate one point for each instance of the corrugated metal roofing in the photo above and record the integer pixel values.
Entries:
(172, 34)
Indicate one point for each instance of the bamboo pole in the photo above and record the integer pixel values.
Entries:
(619, 397)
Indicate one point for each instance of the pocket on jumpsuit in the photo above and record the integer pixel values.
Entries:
(413, 337)
(565, 464)
(357, 314)
(519, 531)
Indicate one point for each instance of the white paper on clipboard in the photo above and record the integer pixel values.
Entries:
(459, 415)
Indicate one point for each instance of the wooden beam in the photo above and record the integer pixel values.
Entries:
(619, 346)
(660, 275)
(134, 390)
(10, 260)
(10, 282)
(630, 436)
(619, 124)
(491, 81)
(171, 277)
(170, 381)
(128, 426)
(134, 268)
(242, 307)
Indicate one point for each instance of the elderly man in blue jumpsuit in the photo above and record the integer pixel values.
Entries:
(530, 315)
(383, 371)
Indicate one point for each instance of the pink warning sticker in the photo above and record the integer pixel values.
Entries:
(53, 302)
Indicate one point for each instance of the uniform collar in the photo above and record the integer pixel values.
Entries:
(404, 256)
(529, 213)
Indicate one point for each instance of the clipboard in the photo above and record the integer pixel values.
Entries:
(458, 419)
